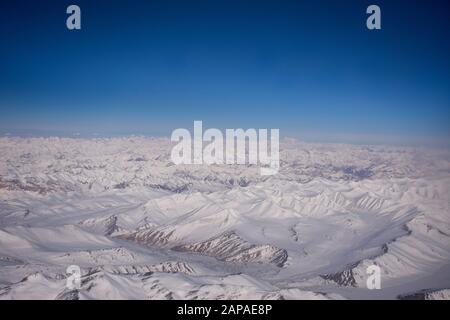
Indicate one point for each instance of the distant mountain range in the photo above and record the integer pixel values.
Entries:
(140, 227)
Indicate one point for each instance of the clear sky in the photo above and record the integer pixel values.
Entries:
(310, 68)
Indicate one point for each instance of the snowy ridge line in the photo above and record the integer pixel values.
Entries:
(67, 165)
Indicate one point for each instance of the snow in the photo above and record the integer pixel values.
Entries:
(141, 227)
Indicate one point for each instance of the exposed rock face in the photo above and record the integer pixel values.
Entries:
(344, 278)
(151, 237)
(231, 248)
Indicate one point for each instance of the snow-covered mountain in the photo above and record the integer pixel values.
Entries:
(140, 227)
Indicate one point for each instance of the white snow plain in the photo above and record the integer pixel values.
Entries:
(140, 227)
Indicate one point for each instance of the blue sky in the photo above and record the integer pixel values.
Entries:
(310, 68)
